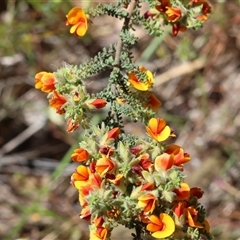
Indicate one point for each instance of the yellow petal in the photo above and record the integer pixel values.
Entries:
(79, 184)
(141, 204)
(81, 30)
(168, 228)
(73, 28)
(153, 124)
(38, 85)
(138, 85)
(151, 80)
(164, 134)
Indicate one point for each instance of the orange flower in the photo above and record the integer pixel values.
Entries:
(137, 83)
(163, 162)
(57, 101)
(95, 180)
(206, 8)
(80, 176)
(96, 103)
(178, 209)
(147, 202)
(104, 165)
(161, 226)
(158, 130)
(183, 193)
(178, 27)
(45, 81)
(190, 214)
(153, 102)
(178, 154)
(84, 190)
(80, 155)
(82, 173)
(173, 14)
(77, 18)
(99, 234)
(71, 125)
(164, 5)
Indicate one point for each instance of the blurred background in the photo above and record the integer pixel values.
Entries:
(197, 79)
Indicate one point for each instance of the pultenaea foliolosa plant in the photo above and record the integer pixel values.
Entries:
(122, 179)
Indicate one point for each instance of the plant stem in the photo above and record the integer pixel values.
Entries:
(138, 232)
(132, 5)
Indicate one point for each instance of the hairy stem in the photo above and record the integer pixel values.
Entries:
(132, 5)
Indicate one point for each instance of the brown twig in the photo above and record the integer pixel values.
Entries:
(132, 5)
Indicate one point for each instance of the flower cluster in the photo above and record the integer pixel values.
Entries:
(129, 183)
(141, 184)
(123, 179)
(73, 101)
(180, 15)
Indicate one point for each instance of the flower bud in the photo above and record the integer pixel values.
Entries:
(95, 103)
(113, 133)
(71, 125)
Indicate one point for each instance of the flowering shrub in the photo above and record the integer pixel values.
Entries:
(123, 179)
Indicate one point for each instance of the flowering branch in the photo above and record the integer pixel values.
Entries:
(123, 179)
